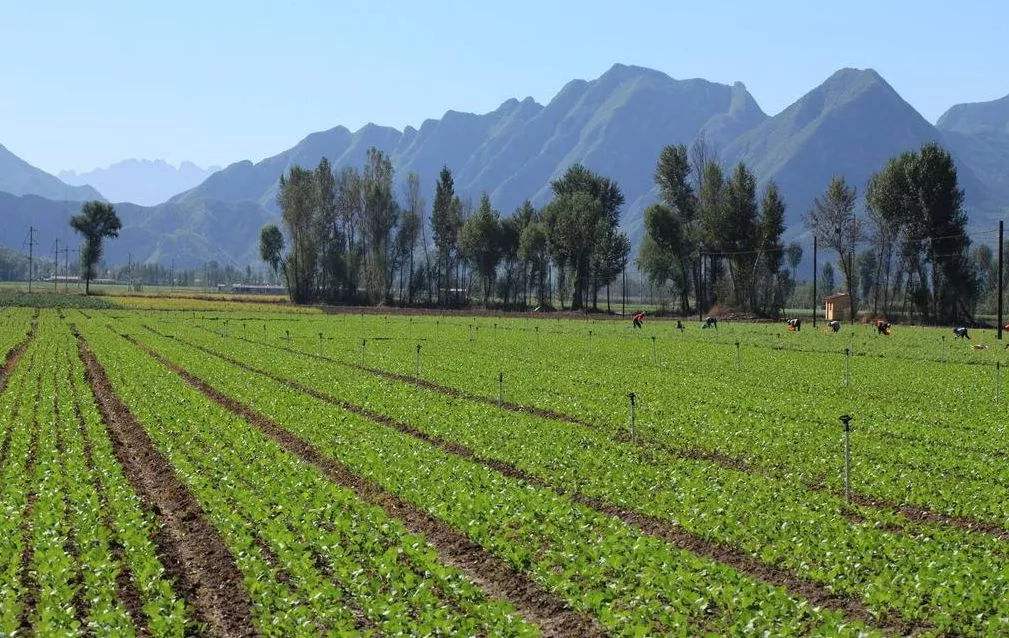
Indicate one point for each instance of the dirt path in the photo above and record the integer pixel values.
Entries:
(495, 576)
(851, 606)
(194, 549)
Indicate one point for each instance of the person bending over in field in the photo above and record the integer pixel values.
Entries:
(794, 325)
(679, 325)
(710, 322)
(883, 327)
(639, 319)
(835, 325)
(960, 332)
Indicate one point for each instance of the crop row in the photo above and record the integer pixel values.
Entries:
(74, 545)
(694, 396)
(633, 583)
(313, 557)
(777, 520)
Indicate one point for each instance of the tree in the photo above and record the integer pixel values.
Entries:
(866, 267)
(271, 246)
(380, 214)
(916, 209)
(297, 198)
(741, 232)
(446, 220)
(96, 221)
(349, 208)
(480, 244)
(833, 220)
(887, 202)
(659, 258)
(827, 283)
(580, 219)
(535, 256)
(674, 223)
(713, 225)
(332, 256)
(769, 286)
(794, 254)
(610, 259)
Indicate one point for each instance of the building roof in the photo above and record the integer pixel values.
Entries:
(836, 296)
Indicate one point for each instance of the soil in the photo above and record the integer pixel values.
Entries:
(194, 550)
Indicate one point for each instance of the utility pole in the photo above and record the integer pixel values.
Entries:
(31, 255)
(814, 280)
(1000, 225)
(56, 264)
(129, 270)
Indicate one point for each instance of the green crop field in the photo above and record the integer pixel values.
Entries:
(254, 471)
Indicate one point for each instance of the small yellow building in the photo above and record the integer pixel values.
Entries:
(836, 306)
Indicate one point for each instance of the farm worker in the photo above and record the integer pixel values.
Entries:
(679, 325)
(710, 322)
(883, 327)
(835, 325)
(794, 325)
(960, 332)
(639, 318)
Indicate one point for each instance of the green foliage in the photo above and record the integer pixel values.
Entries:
(96, 221)
(271, 246)
(480, 243)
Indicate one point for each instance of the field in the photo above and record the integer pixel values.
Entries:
(177, 469)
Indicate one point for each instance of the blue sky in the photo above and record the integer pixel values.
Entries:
(84, 84)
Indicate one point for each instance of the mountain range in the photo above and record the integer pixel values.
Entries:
(18, 177)
(615, 124)
(144, 182)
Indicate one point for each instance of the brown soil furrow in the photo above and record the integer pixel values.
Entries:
(817, 594)
(192, 546)
(126, 589)
(26, 575)
(914, 512)
(495, 576)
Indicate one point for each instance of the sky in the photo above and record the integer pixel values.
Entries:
(86, 84)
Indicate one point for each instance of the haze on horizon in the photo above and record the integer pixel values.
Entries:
(214, 83)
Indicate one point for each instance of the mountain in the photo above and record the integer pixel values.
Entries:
(188, 234)
(979, 133)
(143, 182)
(850, 125)
(616, 124)
(18, 177)
(978, 118)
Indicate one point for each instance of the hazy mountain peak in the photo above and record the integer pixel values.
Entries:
(141, 181)
(18, 177)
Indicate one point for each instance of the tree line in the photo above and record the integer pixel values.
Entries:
(903, 249)
(712, 238)
(348, 237)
